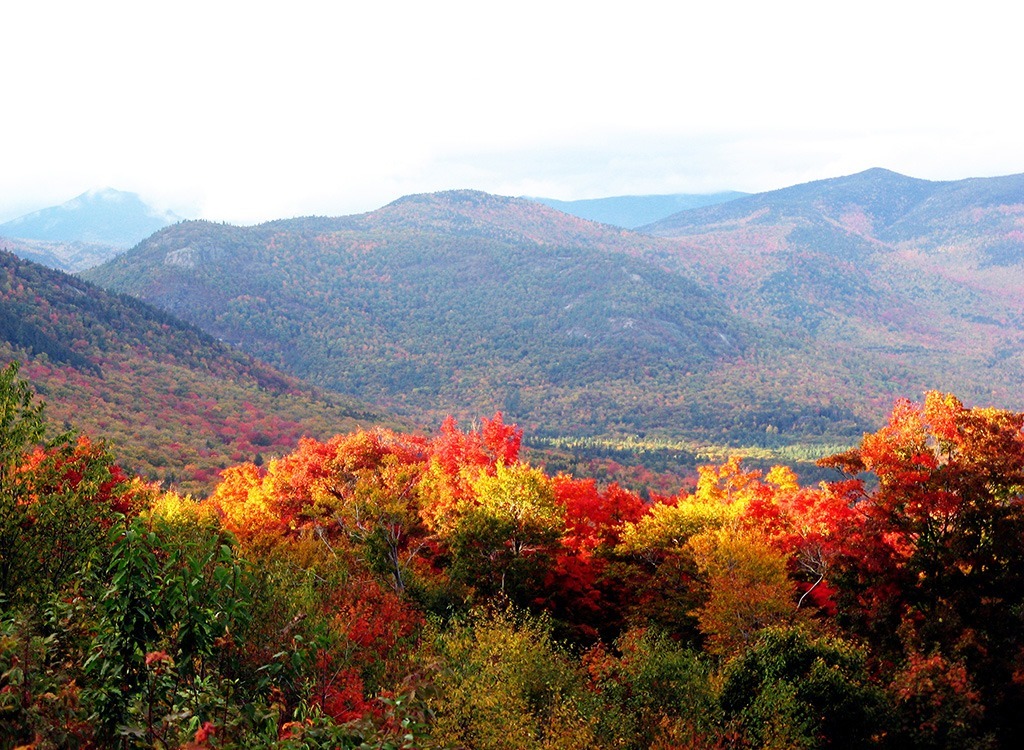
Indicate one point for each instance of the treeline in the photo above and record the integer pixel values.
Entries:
(381, 590)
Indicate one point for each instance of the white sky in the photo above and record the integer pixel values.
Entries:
(247, 111)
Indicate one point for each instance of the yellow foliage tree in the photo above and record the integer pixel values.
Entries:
(748, 588)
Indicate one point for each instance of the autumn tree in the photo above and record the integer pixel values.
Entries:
(456, 459)
(241, 501)
(503, 537)
(746, 587)
(582, 587)
(57, 497)
(934, 560)
(704, 562)
(507, 684)
(370, 490)
(652, 692)
(809, 525)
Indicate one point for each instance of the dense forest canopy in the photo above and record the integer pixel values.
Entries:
(385, 590)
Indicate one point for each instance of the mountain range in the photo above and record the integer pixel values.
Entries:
(789, 318)
(919, 280)
(457, 302)
(84, 231)
(796, 315)
(633, 211)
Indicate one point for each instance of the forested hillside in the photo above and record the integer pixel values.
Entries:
(790, 318)
(386, 590)
(464, 303)
(178, 405)
(919, 282)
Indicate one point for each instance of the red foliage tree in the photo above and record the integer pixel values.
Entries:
(934, 556)
(579, 588)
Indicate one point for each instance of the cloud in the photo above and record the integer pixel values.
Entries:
(248, 112)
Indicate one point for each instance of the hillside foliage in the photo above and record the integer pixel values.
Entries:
(465, 303)
(178, 405)
(387, 590)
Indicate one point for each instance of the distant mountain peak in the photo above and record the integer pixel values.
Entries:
(106, 193)
(879, 171)
(462, 197)
(476, 213)
(99, 216)
(632, 211)
(880, 193)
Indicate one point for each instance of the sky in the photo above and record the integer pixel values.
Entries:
(250, 111)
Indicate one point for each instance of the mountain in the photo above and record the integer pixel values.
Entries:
(177, 404)
(907, 280)
(784, 317)
(463, 303)
(632, 211)
(69, 257)
(108, 218)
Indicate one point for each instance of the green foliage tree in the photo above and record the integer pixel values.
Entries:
(173, 600)
(795, 689)
(506, 534)
(652, 692)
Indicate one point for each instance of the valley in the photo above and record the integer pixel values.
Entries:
(250, 495)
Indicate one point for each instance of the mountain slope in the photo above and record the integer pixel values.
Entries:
(69, 257)
(100, 217)
(632, 211)
(918, 278)
(463, 302)
(177, 404)
(791, 315)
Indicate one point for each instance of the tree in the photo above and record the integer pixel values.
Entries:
(653, 692)
(507, 684)
(794, 689)
(503, 538)
(808, 525)
(581, 589)
(693, 549)
(747, 588)
(373, 496)
(57, 497)
(456, 458)
(241, 502)
(933, 560)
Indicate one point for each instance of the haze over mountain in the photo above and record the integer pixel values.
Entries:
(70, 257)
(177, 404)
(84, 231)
(632, 211)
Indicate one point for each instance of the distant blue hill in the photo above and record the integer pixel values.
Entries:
(102, 217)
(632, 211)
